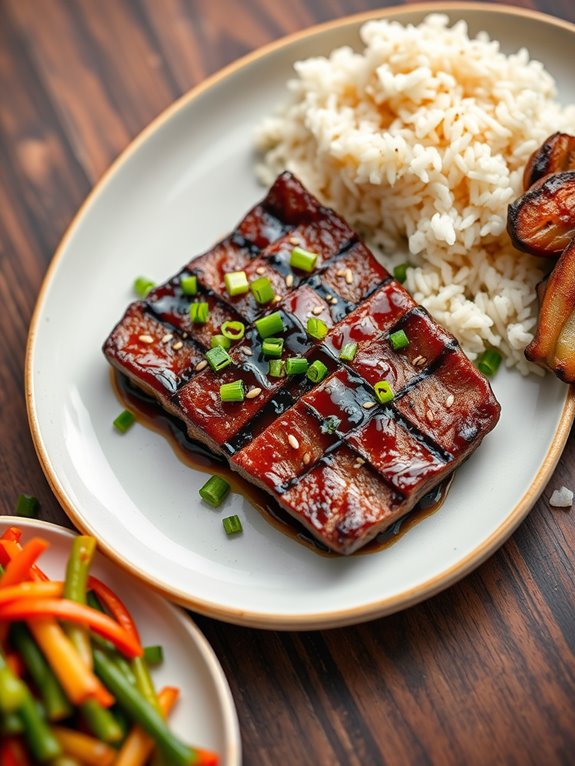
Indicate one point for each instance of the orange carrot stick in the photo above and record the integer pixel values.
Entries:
(138, 745)
(88, 750)
(12, 533)
(18, 566)
(10, 548)
(26, 590)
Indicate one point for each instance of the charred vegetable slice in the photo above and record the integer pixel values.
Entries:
(557, 153)
(554, 342)
(542, 221)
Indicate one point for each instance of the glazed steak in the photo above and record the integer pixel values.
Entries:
(340, 460)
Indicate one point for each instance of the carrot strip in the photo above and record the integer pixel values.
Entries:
(14, 662)
(26, 590)
(115, 606)
(88, 750)
(79, 683)
(18, 567)
(138, 745)
(9, 549)
(70, 610)
(12, 533)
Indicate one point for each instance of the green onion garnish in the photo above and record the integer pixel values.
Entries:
(199, 312)
(232, 392)
(489, 361)
(233, 330)
(398, 340)
(218, 358)
(262, 290)
(215, 491)
(302, 259)
(276, 368)
(400, 271)
(296, 365)
(316, 328)
(272, 324)
(189, 284)
(236, 282)
(124, 420)
(316, 371)
(384, 392)
(273, 347)
(330, 424)
(232, 525)
(348, 352)
(27, 506)
(142, 286)
(220, 340)
(153, 655)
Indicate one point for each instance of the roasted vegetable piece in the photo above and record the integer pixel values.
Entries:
(554, 342)
(542, 221)
(557, 153)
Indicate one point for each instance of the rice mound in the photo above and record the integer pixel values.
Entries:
(420, 141)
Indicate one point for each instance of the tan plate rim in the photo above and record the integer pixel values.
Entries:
(374, 609)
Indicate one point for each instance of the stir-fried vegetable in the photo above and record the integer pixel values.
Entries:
(75, 685)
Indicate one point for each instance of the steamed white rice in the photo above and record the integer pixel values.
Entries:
(420, 142)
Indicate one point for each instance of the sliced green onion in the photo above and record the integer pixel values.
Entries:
(276, 368)
(142, 286)
(400, 271)
(199, 312)
(220, 340)
(215, 491)
(154, 655)
(316, 328)
(398, 340)
(317, 371)
(262, 290)
(125, 420)
(330, 424)
(233, 330)
(273, 347)
(302, 259)
(189, 284)
(236, 283)
(296, 365)
(348, 352)
(232, 525)
(489, 361)
(384, 392)
(232, 392)
(218, 358)
(272, 324)
(27, 506)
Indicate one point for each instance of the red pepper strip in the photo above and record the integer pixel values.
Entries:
(18, 568)
(12, 533)
(12, 753)
(115, 606)
(9, 549)
(14, 662)
(70, 610)
(26, 590)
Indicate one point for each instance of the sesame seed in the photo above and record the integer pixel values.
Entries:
(333, 300)
(277, 298)
(177, 346)
(449, 401)
(293, 442)
(289, 280)
(294, 241)
(340, 273)
(247, 351)
(359, 460)
(184, 335)
(253, 392)
(146, 339)
(329, 297)
(368, 405)
(348, 277)
(201, 365)
(419, 361)
(429, 416)
(307, 458)
(260, 270)
(167, 338)
(317, 310)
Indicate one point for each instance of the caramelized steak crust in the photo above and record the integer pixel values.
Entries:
(337, 460)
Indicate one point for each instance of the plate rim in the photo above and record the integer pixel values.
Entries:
(268, 620)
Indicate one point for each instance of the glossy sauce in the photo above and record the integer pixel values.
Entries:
(199, 457)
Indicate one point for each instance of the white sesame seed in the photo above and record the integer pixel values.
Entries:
(277, 298)
(317, 310)
(167, 338)
(247, 351)
(329, 297)
(334, 301)
(348, 276)
(449, 401)
(340, 273)
(146, 339)
(177, 346)
(307, 458)
(260, 270)
(201, 365)
(368, 405)
(184, 335)
(293, 442)
(294, 241)
(429, 416)
(289, 280)
(253, 392)
(359, 460)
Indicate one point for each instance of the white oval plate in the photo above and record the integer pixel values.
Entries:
(182, 185)
(205, 714)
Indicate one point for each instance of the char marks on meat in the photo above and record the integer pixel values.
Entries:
(337, 460)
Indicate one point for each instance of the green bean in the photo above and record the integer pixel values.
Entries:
(142, 713)
(10, 724)
(48, 686)
(144, 683)
(77, 570)
(101, 722)
(12, 690)
(41, 742)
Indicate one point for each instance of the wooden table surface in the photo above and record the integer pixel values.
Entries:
(482, 673)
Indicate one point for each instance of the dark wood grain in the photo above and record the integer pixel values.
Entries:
(483, 673)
